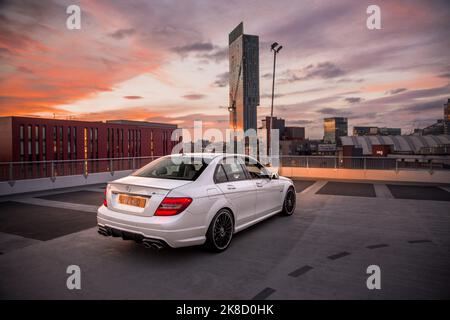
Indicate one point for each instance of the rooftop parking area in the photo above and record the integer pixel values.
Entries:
(321, 252)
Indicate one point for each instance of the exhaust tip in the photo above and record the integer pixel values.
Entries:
(103, 231)
(152, 244)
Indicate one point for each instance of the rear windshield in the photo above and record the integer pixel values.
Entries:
(177, 168)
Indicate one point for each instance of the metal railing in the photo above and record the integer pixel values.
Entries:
(12, 171)
(366, 163)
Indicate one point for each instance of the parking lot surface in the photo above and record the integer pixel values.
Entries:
(321, 252)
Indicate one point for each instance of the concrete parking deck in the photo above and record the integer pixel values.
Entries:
(322, 252)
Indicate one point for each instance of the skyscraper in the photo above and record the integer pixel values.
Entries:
(447, 117)
(334, 128)
(244, 79)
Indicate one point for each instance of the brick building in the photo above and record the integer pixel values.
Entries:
(39, 139)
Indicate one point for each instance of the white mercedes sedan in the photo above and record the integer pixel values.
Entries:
(192, 199)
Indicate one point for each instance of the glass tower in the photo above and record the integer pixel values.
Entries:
(334, 128)
(244, 79)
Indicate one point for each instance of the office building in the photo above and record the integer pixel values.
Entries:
(277, 124)
(294, 133)
(244, 79)
(441, 126)
(334, 128)
(371, 131)
(447, 117)
(39, 139)
(292, 139)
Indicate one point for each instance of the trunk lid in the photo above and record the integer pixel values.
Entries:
(150, 190)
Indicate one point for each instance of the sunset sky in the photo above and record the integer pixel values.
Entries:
(167, 61)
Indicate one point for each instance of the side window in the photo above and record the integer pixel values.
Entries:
(219, 175)
(233, 170)
(256, 170)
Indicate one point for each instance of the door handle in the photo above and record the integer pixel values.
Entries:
(259, 184)
(230, 187)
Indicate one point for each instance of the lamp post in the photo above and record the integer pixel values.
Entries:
(275, 47)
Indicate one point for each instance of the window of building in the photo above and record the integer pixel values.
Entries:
(85, 139)
(128, 147)
(164, 143)
(22, 147)
(44, 143)
(55, 154)
(151, 143)
(139, 143)
(112, 143)
(75, 142)
(91, 143)
(61, 145)
(69, 154)
(107, 143)
(30, 155)
(96, 142)
(132, 143)
(36, 143)
(121, 143)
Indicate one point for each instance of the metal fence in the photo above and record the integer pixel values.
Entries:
(12, 171)
(366, 163)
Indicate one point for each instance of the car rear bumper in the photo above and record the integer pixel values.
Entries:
(175, 231)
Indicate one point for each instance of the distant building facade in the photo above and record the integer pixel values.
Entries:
(39, 139)
(292, 139)
(243, 79)
(447, 117)
(398, 145)
(434, 129)
(277, 123)
(294, 133)
(367, 131)
(334, 128)
(441, 126)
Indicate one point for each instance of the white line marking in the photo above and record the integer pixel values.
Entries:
(315, 187)
(382, 191)
(59, 204)
(445, 188)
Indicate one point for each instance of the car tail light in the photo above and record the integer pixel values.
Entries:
(172, 206)
(105, 202)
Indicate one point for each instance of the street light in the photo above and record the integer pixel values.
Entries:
(275, 47)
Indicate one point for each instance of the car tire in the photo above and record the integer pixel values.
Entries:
(289, 202)
(220, 231)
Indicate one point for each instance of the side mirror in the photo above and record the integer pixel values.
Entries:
(274, 175)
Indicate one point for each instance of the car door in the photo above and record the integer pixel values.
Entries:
(240, 191)
(268, 191)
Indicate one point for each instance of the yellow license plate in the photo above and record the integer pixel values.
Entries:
(132, 200)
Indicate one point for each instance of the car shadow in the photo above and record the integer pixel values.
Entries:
(277, 234)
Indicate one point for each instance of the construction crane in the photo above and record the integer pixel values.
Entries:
(232, 108)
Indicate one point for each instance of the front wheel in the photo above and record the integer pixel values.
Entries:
(220, 231)
(289, 202)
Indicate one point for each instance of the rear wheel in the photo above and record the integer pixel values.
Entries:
(289, 202)
(220, 231)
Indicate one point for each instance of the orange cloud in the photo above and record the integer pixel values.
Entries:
(50, 66)
(422, 82)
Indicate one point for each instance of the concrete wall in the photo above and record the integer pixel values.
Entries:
(437, 176)
(31, 185)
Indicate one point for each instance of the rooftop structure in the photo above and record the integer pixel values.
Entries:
(400, 144)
